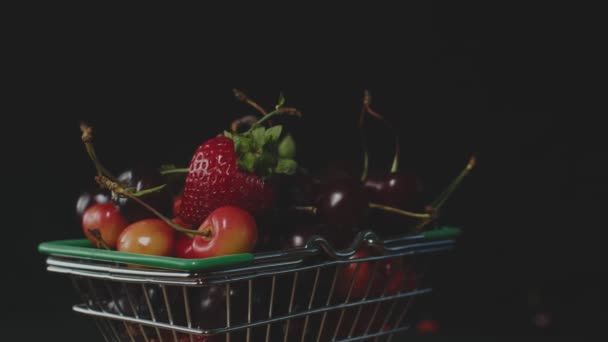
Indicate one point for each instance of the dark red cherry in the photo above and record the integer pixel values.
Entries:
(141, 178)
(401, 189)
(299, 234)
(343, 203)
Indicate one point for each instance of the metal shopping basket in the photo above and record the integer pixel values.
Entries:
(288, 295)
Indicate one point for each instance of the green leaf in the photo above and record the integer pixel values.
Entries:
(228, 134)
(247, 162)
(242, 144)
(281, 101)
(258, 136)
(286, 166)
(273, 133)
(287, 147)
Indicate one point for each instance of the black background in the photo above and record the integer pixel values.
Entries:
(500, 82)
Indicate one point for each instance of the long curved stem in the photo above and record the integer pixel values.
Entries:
(400, 211)
(87, 139)
(176, 170)
(442, 198)
(244, 98)
(280, 111)
(395, 164)
(366, 100)
(113, 186)
(313, 210)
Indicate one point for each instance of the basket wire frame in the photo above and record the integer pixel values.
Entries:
(280, 299)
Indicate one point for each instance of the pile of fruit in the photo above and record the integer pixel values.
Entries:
(245, 192)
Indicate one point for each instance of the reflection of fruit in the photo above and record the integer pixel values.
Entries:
(149, 236)
(106, 219)
(215, 180)
(229, 230)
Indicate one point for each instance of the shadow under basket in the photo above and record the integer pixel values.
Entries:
(314, 293)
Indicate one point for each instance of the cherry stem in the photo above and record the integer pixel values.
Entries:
(147, 191)
(455, 183)
(244, 98)
(280, 111)
(176, 170)
(97, 236)
(87, 139)
(369, 110)
(366, 99)
(113, 186)
(310, 209)
(433, 212)
(400, 211)
(313, 210)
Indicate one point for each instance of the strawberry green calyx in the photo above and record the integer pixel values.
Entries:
(264, 152)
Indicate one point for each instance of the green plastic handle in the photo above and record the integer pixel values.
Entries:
(442, 233)
(83, 248)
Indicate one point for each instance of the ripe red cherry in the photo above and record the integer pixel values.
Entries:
(149, 236)
(105, 218)
(183, 246)
(230, 230)
(391, 276)
(348, 274)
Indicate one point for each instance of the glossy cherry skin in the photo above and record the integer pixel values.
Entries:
(231, 230)
(148, 236)
(401, 189)
(107, 219)
(141, 178)
(89, 198)
(348, 274)
(299, 235)
(391, 276)
(183, 246)
(343, 203)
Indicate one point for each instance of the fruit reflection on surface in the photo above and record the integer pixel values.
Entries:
(149, 236)
(107, 220)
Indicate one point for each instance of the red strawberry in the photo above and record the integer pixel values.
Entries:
(215, 180)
